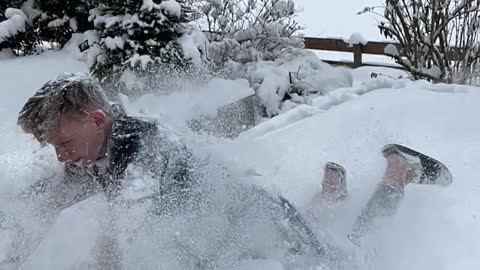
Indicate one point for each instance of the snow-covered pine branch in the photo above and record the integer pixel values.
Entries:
(15, 23)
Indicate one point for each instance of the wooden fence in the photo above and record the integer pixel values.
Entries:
(372, 47)
(338, 45)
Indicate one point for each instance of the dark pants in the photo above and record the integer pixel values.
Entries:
(384, 202)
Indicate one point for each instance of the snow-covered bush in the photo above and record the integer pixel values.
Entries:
(4, 4)
(465, 33)
(38, 24)
(292, 79)
(142, 36)
(438, 38)
(249, 36)
(247, 31)
(15, 22)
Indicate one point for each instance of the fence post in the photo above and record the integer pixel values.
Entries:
(357, 55)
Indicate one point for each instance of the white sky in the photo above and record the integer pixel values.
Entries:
(338, 18)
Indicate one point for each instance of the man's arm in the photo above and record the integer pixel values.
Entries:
(175, 168)
(107, 253)
(22, 242)
(46, 198)
(180, 174)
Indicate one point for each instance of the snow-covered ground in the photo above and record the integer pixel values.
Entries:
(435, 227)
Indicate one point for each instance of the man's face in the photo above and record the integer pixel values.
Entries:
(78, 140)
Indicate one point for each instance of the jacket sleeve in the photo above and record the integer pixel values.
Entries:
(11, 234)
(179, 167)
(21, 241)
(175, 168)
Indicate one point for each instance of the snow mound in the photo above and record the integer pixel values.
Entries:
(271, 80)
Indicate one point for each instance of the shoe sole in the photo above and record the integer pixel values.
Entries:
(433, 171)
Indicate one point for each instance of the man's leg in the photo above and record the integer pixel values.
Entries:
(334, 188)
(400, 171)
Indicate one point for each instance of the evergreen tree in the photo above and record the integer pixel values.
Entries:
(61, 18)
(52, 21)
(138, 36)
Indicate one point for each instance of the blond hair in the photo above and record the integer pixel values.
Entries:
(73, 94)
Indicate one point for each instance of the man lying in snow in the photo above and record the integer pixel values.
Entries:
(99, 144)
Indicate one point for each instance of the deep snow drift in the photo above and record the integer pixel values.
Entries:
(435, 228)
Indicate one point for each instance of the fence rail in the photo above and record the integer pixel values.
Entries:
(371, 47)
(338, 45)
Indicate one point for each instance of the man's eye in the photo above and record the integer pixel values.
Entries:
(66, 143)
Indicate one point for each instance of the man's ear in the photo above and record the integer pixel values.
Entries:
(99, 118)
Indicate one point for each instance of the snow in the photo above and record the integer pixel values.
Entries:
(216, 2)
(14, 24)
(171, 8)
(348, 57)
(356, 39)
(114, 43)
(261, 265)
(147, 4)
(73, 24)
(123, 20)
(192, 96)
(271, 79)
(433, 72)
(6, 54)
(391, 49)
(91, 37)
(435, 227)
(143, 59)
(58, 22)
(193, 43)
(29, 10)
(363, 74)
(290, 117)
(10, 12)
(281, 8)
(92, 55)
